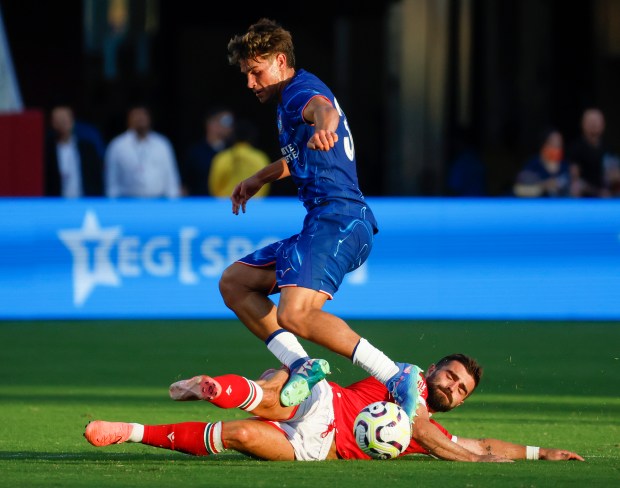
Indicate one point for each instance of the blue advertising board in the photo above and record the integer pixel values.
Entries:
(433, 258)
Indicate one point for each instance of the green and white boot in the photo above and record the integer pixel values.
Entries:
(302, 380)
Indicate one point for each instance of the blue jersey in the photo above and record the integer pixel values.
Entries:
(326, 180)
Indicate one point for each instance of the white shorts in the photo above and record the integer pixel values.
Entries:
(311, 430)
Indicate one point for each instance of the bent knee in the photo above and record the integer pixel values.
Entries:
(229, 282)
(229, 288)
(239, 279)
(240, 434)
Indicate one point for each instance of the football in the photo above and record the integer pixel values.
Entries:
(382, 430)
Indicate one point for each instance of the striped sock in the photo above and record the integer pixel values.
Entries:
(237, 392)
(195, 438)
(213, 441)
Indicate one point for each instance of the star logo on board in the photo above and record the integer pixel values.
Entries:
(90, 247)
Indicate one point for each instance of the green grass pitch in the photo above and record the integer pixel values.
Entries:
(546, 383)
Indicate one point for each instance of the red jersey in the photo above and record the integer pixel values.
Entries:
(349, 401)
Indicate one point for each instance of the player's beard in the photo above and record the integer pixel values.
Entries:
(436, 401)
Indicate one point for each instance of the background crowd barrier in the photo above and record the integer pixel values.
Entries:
(433, 258)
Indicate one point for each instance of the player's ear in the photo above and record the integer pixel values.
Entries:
(431, 369)
(281, 60)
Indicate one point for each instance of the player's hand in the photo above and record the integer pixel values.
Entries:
(492, 458)
(559, 455)
(243, 192)
(322, 140)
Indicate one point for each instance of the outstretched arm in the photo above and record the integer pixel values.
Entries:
(516, 451)
(250, 186)
(438, 445)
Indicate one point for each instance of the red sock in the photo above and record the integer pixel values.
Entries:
(187, 437)
(237, 392)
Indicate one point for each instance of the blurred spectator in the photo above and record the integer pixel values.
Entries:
(592, 159)
(467, 172)
(547, 174)
(235, 164)
(141, 162)
(73, 168)
(218, 127)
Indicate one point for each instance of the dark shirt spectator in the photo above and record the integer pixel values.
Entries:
(73, 168)
(219, 127)
(592, 159)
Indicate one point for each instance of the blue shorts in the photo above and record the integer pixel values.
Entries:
(328, 247)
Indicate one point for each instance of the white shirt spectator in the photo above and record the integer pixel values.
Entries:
(69, 167)
(143, 167)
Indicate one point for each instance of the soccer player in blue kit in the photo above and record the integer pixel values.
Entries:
(337, 235)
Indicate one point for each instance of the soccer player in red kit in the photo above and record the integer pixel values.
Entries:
(321, 427)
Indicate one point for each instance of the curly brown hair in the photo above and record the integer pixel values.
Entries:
(263, 39)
